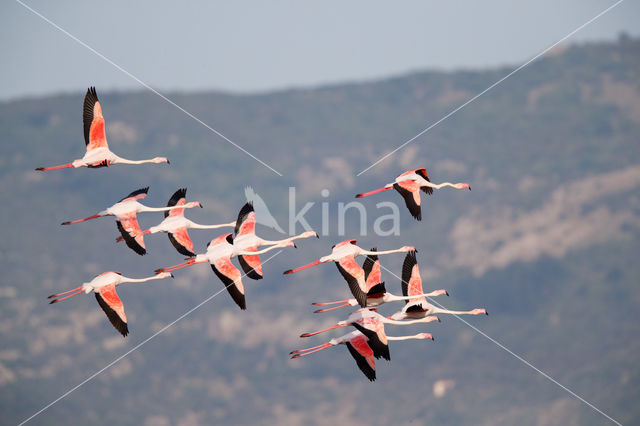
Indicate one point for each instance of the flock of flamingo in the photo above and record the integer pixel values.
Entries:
(365, 343)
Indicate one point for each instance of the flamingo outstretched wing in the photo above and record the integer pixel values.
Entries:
(412, 282)
(181, 241)
(138, 194)
(372, 275)
(112, 306)
(246, 225)
(231, 278)
(410, 191)
(374, 330)
(93, 122)
(354, 275)
(423, 172)
(177, 199)
(130, 231)
(362, 353)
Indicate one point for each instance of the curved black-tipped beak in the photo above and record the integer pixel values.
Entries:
(317, 236)
(168, 162)
(172, 276)
(295, 246)
(469, 187)
(486, 313)
(446, 293)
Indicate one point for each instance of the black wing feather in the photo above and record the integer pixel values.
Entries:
(90, 100)
(377, 290)
(407, 267)
(414, 209)
(114, 318)
(137, 192)
(244, 212)
(181, 249)
(180, 193)
(368, 263)
(379, 349)
(236, 295)
(362, 363)
(248, 270)
(426, 189)
(357, 292)
(131, 242)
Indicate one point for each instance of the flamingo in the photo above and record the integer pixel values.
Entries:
(104, 287)
(417, 306)
(247, 240)
(126, 211)
(409, 185)
(376, 292)
(176, 225)
(220, 250)
(98, 153)
(344, 255)
(358, 345)
(371, 324)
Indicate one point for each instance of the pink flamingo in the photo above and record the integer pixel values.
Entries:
(358, 345)
(104, 287)
(409, 185)
(344, 255)
(376, 293)
(370, 323)
(126, 211)
(176, 225)
(220, 250)
(98, 153)
(247, 240)
(417, 306)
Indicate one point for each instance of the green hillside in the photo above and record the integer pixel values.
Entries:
(547, 241)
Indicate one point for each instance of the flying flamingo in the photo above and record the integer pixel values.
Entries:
(344, 255)
(220, 250)
(98, 153)
(247, 240)
(371, 324)
(126, 211)
(358, 345)
(176, 225)
(104, 287)
(409, 185)
(417, 306)
(376, 292)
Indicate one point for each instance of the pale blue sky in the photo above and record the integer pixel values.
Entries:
(268, 45)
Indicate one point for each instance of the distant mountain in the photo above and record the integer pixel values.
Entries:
(547, 241)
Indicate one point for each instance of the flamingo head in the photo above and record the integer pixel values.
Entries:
(431, 318)
(287, 244)
(424, 336)
(159, 160)
(309, 234)
(479, 311)
(194, 204)
(165, 275)
(442, 293)
(463, 186)
(409, 248)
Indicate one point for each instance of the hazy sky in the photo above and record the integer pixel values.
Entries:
(266, 45)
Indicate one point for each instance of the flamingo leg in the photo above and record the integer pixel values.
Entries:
(366, 194)
(64, 166)
(307, 349)
(291, 271)
(66, 297)
(64, 292)
(298, 355)
(322, 331)
(329, 303)
(319, 311)
(189, 262)
(81, 220)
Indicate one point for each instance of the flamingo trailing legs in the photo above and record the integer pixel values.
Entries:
(95, 139)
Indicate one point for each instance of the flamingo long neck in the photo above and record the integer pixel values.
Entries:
(120, 160)
(415, 336)
(437, 310)
(248, 253)
(199, 226)
(163, 209)
(443, 184)
(365, 252)
(406, 322)
(139, 280)
(297, 237)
